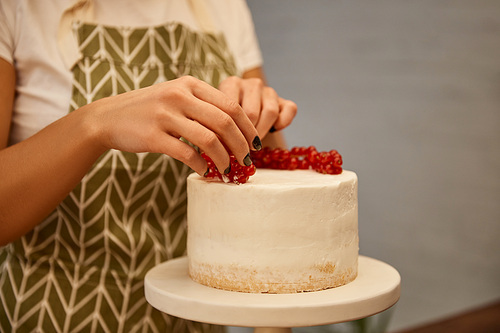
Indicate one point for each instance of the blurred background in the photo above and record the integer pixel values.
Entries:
(409, 93)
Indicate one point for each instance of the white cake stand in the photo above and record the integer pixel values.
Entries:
(169, 289)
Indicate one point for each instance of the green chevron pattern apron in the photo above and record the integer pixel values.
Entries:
(82, 269)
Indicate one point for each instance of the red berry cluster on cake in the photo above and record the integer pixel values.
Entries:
(301, 158)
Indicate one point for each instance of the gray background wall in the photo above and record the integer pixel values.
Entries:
(409, 93)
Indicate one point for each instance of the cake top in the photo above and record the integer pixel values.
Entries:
(285, 178)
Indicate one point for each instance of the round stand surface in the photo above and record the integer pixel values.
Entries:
(169, 289)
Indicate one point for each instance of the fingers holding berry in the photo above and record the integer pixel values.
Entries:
(153, 119)
(261, 103)
(229, 124)
(238, 174)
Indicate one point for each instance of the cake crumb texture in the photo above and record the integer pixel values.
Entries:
(241, 279)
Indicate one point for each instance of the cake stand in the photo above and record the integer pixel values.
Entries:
(169, 289)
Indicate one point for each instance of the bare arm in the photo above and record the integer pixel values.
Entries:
(7, 88)
(37, 173)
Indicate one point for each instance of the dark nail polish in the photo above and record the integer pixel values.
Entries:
(206, 172)
(257, 144)
(228, 169)
(272, 129)
(247, 160)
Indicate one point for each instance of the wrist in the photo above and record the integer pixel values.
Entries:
(92, 128)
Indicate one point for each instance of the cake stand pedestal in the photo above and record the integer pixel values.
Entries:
(169, 289)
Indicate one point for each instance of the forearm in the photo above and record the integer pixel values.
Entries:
(37, 173)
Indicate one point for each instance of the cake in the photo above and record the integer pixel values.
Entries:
(281, 232)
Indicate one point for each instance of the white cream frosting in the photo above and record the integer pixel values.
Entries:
(282, 231)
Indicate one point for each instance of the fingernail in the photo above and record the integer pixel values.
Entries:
(272, 129)
(206, 172)
(247, 160)
(257, 144)
(228, 169)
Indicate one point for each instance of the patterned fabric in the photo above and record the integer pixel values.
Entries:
(82, 268)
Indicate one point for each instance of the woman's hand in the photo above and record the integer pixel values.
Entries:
(267, 111)
(154, 118)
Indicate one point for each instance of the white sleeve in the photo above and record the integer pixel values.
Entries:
(7, 24)
(234, 19)
(248, 55)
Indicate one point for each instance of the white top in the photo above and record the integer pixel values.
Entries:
(28, 39)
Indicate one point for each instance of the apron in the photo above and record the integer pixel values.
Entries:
(82, 269)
